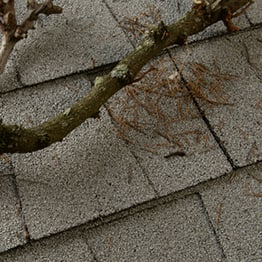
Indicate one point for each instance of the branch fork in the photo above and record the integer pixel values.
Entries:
(12, 32)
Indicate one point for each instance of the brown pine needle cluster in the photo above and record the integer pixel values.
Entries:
(162, 97)
(206, 84)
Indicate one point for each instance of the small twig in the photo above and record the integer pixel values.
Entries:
(12, 32)
(143, 74)
(229, 15)
(243, 10)
(174, 154)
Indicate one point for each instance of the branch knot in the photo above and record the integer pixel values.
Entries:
(155, 34)
(122, 73)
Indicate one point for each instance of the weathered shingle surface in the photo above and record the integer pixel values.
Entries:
(95, 197)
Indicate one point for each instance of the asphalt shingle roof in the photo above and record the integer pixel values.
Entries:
(94, 197)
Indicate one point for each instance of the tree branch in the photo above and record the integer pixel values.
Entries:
(12, 32)
(15, 138)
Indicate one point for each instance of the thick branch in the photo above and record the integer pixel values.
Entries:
(204, 13)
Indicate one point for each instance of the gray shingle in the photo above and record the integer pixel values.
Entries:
(89, 174)
(10, 223)
(67, 43)
(235, 210)
(238, 125)
(176, 231)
